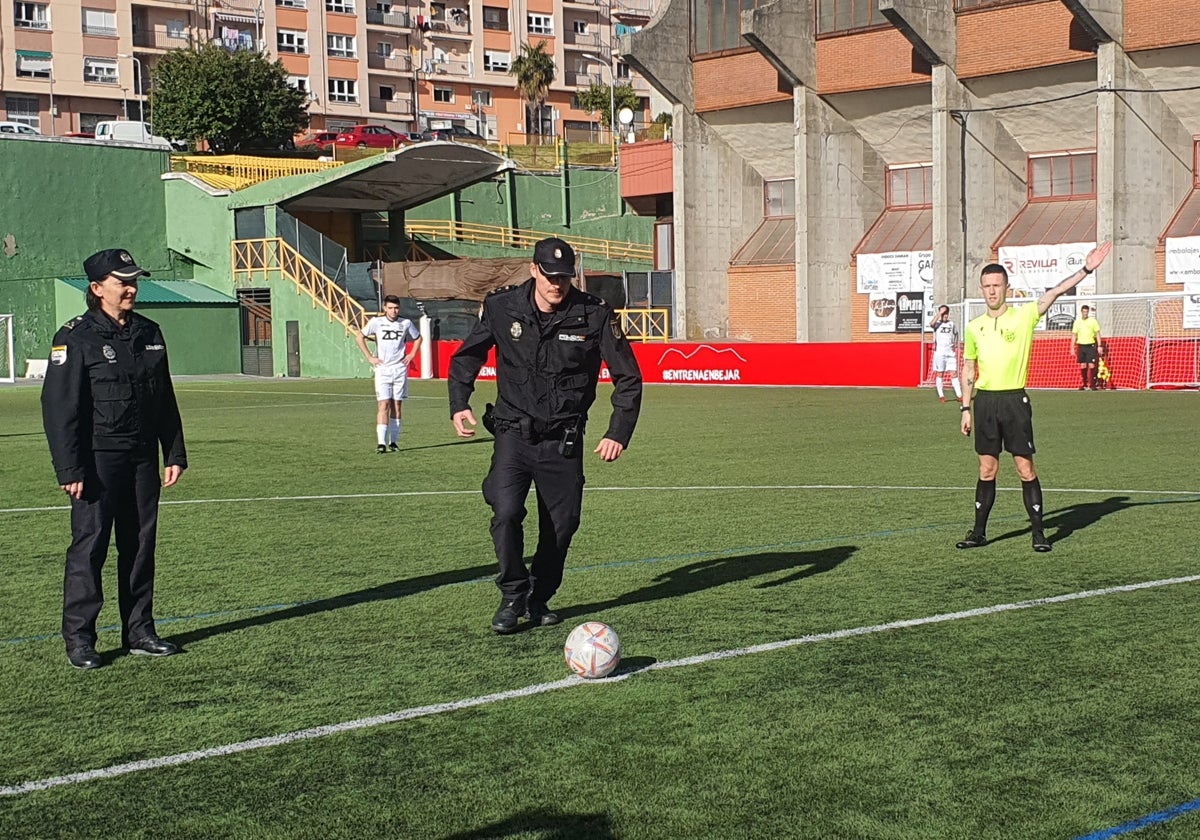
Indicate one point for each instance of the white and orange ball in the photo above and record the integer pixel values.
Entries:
(593, 650)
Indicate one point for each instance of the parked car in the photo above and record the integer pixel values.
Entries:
(414, 137)
(319, 140)
(130, 131)
(371, 136)
(85, 135)
(455, 133)
(17, 128)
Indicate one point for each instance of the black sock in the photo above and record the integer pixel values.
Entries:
(985, 496)
(1083, 375)
(1032, 493)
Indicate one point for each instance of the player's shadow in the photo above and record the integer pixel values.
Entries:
(543, 825)
(1061, 524)
(718, 571)
(457, 442)
(383, 592)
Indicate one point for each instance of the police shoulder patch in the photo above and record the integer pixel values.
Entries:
(500, 289)
(70, 325)
(58, 354)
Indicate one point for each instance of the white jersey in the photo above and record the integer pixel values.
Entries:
(945, 337)
(390, 338)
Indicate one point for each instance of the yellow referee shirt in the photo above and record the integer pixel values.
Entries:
(1086, 331)
(1001, 346)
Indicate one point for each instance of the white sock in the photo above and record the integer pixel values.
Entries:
(381, 433)
(393, 431)
(957, 387)
(940, 389)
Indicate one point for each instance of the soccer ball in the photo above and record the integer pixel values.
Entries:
(593, 650)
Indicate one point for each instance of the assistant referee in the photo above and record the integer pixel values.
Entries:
(996, 351)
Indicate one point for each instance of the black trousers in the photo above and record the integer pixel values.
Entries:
(120, 489)
(517, 463)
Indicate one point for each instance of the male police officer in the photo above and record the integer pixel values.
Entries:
(550, 339)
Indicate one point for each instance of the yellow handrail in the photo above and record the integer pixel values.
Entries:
(239, 171)
(258, 259)
(646, 324)
(525, 239)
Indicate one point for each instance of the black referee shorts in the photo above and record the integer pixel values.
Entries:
(1003, 420)
(1086, 354)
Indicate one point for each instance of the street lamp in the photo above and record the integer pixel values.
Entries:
(138, 93)
(612, 97)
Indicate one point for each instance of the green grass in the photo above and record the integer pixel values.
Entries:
(1053, 721)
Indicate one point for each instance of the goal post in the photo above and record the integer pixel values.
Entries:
(8, 365)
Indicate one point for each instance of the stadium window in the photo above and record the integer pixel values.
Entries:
(1062, 175)
(910, 186)
(838, 16)
(779, 198)
(716, 25)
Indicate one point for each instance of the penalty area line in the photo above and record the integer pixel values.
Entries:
(315, 732)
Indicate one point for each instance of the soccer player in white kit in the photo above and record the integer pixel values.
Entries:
(390, 333)
(945, 352)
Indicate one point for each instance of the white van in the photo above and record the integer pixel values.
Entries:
(129, 131)
(18, 128)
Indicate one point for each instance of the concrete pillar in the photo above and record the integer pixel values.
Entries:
(1104, 20)
(949, 219)
(929, 25)
(1143, 171)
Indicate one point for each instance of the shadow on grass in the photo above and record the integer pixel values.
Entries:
(1063, 523)
(383, 592)
(455, 442)
(543, 825)
(709, 574)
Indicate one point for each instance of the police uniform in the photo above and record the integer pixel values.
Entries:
(107, 406)
(547, 367)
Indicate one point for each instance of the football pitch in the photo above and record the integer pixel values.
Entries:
(806, 655)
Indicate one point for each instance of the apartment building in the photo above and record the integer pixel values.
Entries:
(67, 64)
(858, 148)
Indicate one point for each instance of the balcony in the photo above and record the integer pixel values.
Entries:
(392, 107)
(398, 63)
(160, 39)
(400, 20)
(451, 68)
(92, 29)
(451, 28)
(582, 79)
(632, 11)
(582, 40)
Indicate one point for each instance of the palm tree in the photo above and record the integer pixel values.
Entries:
(534, 69)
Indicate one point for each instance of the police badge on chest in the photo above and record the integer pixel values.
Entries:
(515, 330)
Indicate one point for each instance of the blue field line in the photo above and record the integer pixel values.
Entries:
(1157, 818)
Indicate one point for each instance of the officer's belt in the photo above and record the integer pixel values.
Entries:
(530, 434)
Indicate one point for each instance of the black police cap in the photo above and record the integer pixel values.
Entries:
(114, 261)
(554, 257)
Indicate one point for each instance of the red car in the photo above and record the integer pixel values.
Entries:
(371, 136)
(319, 140)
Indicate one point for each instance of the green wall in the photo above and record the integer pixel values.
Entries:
(200, 229)
(326, 350)
(201, 337)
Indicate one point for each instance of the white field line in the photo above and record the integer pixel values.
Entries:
(651, 488)
(282, 393)
(541, 688)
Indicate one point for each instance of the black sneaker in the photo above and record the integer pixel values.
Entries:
(393, 447)
(1040, 543)
(506, 618)
(152, 646)
(541, 615)
(972, 540)
(381, 449)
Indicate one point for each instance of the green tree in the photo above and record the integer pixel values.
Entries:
(235, 100)
(535, 71)
(597, 98)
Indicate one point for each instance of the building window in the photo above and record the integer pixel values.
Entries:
(31, 15)
(99, 22)
(387, 93)
(443, 94)
(664, 246)
(847, 15)
(575, 103)
(31, 65)
(910, 186)
(299, 83)
(385, 48)
(495, 18)
(88, 122)
(342, 46)
(622, 70)
(496, 62)
(291, 41)
(779, 198)
(581, 27)
(1065, 175)
(100, 71)
(482, 97)
(176, 29)
(24, 110)
(343, 90)
(292, 4)
(716, 25)
(344, 7)
(541, 24)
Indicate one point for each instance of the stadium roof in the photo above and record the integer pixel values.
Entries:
(166, 291)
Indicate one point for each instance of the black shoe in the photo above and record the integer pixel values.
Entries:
(151, 646)
(1095, 388)
(1040, 543)
(381, 449)
(505, 619)
(1082, 387)
(972, 540)
(393, 447)
(85, 658)
(542, 615)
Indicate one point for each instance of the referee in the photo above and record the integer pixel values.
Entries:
(996, 352)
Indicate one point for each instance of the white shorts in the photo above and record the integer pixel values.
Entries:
(945, 362)
(391, 383)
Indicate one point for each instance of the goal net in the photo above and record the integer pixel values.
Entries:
(1148, 340)
(8, 367)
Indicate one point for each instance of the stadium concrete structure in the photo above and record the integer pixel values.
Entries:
(67, 66)
(808, 133)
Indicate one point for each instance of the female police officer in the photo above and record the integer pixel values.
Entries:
(107, 403)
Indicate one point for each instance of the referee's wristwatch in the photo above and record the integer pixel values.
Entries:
(964, 408)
